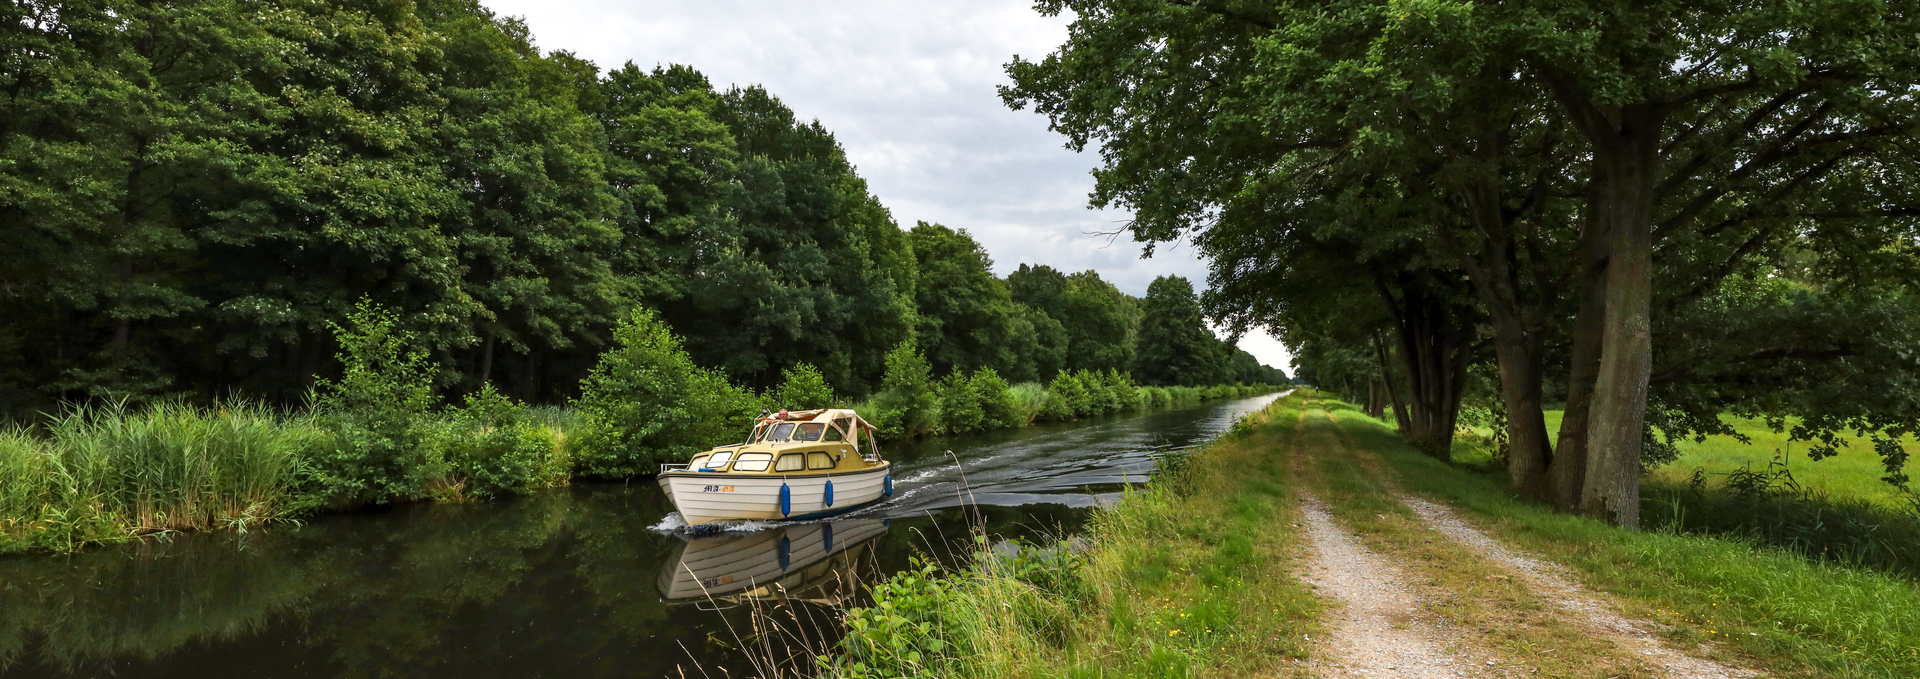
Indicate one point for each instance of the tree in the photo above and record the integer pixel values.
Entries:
(1175, 347)
(966, 315)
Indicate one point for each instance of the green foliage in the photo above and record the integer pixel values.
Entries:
(802, 387)
(960, 407)
(1176, 348)
(908, 404)
(377, 445)
(902, 634)
(966, 315)
(496, 449)
(1000, 406)
(647, 403)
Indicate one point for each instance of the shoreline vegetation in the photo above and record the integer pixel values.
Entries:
(1198, 574)
(99, 474)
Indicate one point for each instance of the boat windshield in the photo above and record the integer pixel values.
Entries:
(719, 460)
(810, 431)
(780, 432)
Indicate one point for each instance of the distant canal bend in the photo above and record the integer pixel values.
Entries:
(573, 583)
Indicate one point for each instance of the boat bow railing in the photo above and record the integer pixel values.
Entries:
(675, 467)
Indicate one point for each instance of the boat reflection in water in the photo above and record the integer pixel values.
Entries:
(817, 563)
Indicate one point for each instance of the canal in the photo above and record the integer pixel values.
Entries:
(588, 581)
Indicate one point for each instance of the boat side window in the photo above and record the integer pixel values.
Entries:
(810, 431)
(791, 462)
(781, 432)
(697, 461)
(752, 462)
(819, 461)
(838, 432)
(719, 460)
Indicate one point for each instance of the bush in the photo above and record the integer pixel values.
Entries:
(999, 406)
(907, 405)
(497, 450)
(802, 387)
(376, 445)
(1070, 394)
(647, 403)
(959, 406)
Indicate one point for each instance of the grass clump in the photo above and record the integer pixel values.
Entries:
(1189, 576)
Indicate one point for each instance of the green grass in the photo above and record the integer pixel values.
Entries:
(1797, 617)
(1191, 576)
(1854, 473)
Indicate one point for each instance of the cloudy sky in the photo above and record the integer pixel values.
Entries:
(908, 88)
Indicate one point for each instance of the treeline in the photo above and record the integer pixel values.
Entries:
(194, 192)
(1652, 215)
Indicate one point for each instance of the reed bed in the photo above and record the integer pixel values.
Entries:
(106, 473)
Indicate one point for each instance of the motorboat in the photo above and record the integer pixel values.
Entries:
(801, 465)
(814, 562)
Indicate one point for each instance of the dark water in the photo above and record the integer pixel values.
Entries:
(572, 583)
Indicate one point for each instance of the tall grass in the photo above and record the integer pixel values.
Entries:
(103, 473)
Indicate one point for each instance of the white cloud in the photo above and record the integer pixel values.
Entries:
(908, 88)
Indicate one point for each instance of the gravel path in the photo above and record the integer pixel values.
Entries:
(1380, 630)
(1550, 583)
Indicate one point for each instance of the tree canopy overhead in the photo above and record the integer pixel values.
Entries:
(1592, 182)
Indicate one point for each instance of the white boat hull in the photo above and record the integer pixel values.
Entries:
(704, 498)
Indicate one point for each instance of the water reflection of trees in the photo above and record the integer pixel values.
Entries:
(422, 588)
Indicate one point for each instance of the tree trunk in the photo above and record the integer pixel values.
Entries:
(1569, 467)
(1400, 416)
(1618, 411)
(1521, 367)
(1434, 350)
(529, 378)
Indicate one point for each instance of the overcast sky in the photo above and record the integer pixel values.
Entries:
(908, 89)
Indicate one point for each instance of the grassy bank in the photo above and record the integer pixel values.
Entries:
(1172, 568)
(1190, 575)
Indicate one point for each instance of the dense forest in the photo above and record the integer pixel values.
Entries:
(196, 194)
(1654, 216)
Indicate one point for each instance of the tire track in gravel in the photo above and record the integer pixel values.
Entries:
(1380, 630)
(1550, 582)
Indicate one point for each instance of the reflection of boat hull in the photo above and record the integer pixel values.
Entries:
(704, 498)
(813, 562)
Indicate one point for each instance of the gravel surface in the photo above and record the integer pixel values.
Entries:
(1549, 582)
(1379, 631)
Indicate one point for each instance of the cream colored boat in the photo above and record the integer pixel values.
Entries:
(814, 562)
(794, 466)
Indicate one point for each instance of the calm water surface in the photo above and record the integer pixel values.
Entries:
(572, 583)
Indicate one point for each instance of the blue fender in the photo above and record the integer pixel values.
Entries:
(826, 535)
(786, 500)
(889, 485)
(829, 492)
(786, 552)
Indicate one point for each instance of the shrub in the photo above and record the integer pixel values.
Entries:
(907, 403)
(496, 449)
(802, 387)
(646, 403)
(1071, 396)
(376, 445)
(999, 407)
(960, 410)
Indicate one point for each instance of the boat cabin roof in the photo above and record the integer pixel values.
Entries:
(821, 415)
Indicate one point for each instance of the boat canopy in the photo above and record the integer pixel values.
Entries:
(821, 415)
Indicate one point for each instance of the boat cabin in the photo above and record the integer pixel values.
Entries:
(808, 441)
